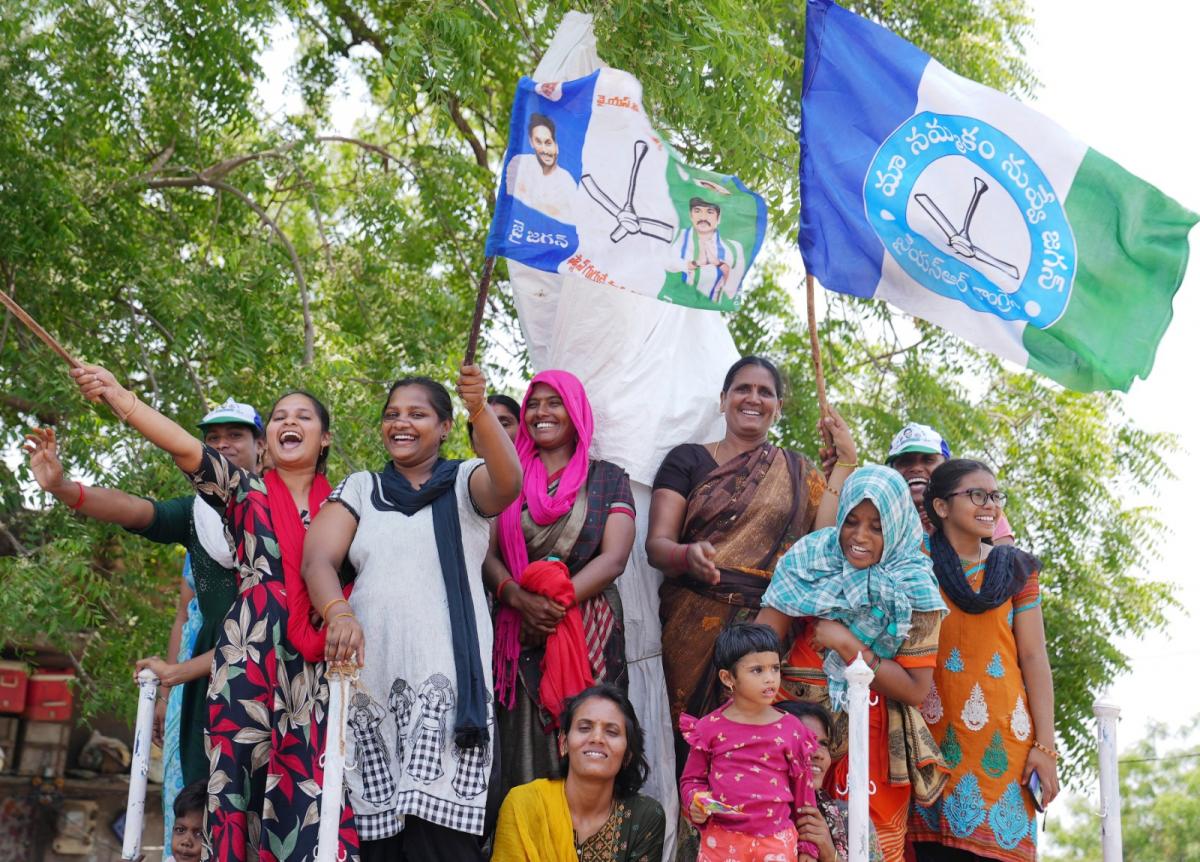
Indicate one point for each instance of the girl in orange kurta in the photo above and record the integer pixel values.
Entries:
(991, 707)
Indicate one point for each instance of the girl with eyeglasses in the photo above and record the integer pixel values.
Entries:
(991, 706)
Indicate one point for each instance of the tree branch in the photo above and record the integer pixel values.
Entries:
(201, 180)
(44, 414)
(170, 338)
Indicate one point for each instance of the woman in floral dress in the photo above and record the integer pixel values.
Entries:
(267, 694)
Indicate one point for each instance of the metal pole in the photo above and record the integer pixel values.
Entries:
(334, 762)
(1110, 781)
(135, 810)
(858, 678)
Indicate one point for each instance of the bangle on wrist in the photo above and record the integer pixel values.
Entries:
(471, 417)
(134, 403)
(850, 464)
(681, 563)
(1049, 752)
(500, 587)
(874, 665)
(329, 604)
(78, 504)
(343, 614)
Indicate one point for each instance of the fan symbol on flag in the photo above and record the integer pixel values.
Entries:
(959, 239)
(628, 221)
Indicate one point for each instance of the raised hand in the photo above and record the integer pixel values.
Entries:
(42, 447)
(472, 388)
(839, 432)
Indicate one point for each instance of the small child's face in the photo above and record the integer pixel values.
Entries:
(754, 678)
(861, 536)
(187, 837)
(820, 755)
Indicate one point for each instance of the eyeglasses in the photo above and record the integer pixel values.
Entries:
(980, 497)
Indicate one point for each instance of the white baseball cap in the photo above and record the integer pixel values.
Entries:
(915, 437)
(233, 413)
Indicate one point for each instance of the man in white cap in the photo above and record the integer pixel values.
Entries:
(236, 431)
(917, 450)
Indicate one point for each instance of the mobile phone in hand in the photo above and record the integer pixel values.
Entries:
(1035, 788)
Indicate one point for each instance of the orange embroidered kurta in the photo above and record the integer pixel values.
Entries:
(978, 711)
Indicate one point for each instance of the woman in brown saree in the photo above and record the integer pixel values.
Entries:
(721, 516)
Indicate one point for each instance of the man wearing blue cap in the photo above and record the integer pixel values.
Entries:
(236, 431)
(916, 451)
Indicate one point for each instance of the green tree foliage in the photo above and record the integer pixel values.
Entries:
(158, 218)
(1160, 804)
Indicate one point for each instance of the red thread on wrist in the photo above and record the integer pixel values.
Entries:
(681, 563)
(78, 503)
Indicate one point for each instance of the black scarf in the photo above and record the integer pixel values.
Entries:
(1004, 576)
(470, 718)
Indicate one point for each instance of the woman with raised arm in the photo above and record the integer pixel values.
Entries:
(421, 724)
(721, 515)
(553, 562)
(266, 728)
(210, 584)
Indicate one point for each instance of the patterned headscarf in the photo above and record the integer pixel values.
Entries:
(814, 579)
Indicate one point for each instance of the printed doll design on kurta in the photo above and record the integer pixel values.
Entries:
(371, 751)
(471, 775)
(932, 708)
(437, 698)
(400, 704)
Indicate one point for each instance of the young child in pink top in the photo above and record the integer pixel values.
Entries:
(749, 771)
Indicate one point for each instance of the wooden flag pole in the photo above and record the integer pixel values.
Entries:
(37, 329)
(485, 282)
(817, 370)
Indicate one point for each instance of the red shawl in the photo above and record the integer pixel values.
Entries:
(290, 532)
(566, 670)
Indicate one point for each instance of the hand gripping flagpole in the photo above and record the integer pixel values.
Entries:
(341, 675)
(858, 678)
(485, 281)
(135, 810)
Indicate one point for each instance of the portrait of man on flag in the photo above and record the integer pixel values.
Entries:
(709, 263)
(537, 179)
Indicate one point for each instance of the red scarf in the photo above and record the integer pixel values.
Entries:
(566, 670)
(290, 532)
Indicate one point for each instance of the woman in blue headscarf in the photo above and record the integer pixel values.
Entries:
(865, 587)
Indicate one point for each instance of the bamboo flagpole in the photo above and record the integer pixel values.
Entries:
(485, 282)
(37, 329)
(815, 344)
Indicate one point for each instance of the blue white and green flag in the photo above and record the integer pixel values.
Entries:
(962, 206)
(590, 189)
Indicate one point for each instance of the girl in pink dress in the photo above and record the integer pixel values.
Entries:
(749, 771)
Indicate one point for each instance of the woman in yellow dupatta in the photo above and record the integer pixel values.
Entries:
(594, 813)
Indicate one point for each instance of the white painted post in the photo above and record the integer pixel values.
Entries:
(1110, 782)
(334, 761)
(858, 678)
(143, 733)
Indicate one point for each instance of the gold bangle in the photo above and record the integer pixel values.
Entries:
(850, 464)
(343, 614)
(331, 603)
(1049, 752)
(471, 417)
(124, 415)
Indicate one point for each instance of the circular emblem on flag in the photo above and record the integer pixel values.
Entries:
(967, 213)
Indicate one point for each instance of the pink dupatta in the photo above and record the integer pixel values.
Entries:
(544, 508)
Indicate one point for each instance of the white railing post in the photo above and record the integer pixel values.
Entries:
(143, 733)
(340, 676)
(858, 679)
(1110, 780)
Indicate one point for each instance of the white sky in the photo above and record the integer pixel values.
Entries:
(1123, 79)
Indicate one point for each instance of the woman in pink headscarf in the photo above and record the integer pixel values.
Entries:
(553, 560)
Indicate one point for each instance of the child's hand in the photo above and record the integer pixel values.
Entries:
(696, 811)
